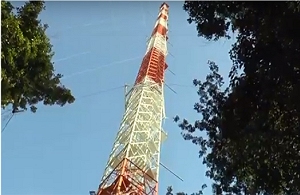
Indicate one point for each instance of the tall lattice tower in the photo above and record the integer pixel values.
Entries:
(133, 165)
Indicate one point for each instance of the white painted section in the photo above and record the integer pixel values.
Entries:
(155, 25)
(140, 134)
(164, 12)
(159, 42)
(163, 22)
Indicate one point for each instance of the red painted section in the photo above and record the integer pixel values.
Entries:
(123, 180)
(159, 29)
(153, 66)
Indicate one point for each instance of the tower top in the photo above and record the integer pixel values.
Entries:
(153, 65)
(164, 4)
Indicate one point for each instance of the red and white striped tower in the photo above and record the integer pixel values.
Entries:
(133, 165)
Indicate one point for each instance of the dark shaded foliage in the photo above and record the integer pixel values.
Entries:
(252, 126)
(170, 191)
(27, 73)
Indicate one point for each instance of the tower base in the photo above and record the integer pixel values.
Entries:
(128, 179)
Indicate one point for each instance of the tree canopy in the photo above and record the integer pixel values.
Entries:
(27, 72)
(252, 125)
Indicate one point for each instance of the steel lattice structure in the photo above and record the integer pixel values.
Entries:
(133, 165)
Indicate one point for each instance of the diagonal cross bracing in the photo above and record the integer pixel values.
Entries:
(140, 131)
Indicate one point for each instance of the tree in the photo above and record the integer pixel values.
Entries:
(27, 72)
(252, 126)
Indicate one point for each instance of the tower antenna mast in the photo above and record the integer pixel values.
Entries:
(133, 165)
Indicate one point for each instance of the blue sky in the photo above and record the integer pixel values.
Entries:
(99, 47)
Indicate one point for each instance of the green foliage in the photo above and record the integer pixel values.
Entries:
(170, 191)
(27, 73)
(252, 127)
